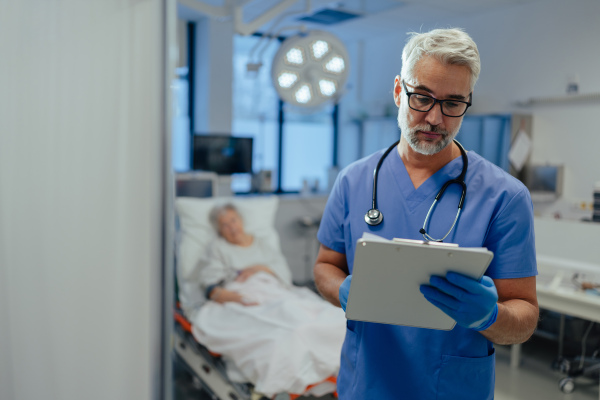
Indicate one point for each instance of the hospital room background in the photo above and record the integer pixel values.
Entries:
(102, 100)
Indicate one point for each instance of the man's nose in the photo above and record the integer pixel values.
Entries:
(435, 116)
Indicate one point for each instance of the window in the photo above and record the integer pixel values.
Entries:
(181, 121)
(307, 150)
(307, 135)
(255, 105)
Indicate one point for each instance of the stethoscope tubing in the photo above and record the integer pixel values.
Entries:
(460, 180)
(376, 172)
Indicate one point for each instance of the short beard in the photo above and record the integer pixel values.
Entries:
(423, 146)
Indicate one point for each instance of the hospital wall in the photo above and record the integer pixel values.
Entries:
(527, 51)
(82, 161)
(297, 222)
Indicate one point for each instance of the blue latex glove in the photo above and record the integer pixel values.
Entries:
(471, 303)
(345, 291)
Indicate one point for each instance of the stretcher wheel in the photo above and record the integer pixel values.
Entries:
(567, 385)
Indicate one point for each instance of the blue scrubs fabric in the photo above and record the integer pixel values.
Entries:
(382, 361)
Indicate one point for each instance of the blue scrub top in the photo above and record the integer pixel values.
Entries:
(382, 361)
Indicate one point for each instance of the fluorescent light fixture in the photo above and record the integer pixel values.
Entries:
(303, 95)
(287, 79)
(327, 87)
(310, 68)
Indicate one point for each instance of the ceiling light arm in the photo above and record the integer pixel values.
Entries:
(208, 9)
(254, 66)
(301, 28)
(269, 35)
(248, 28)
(235, 9)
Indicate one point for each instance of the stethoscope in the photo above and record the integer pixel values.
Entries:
(374, 216)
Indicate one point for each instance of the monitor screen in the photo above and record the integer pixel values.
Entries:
(543, 179)
(196, 184)
(222, 154)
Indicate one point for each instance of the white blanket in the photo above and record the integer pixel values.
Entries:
(292, 339)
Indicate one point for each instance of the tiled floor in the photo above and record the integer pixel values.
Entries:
(535, 379)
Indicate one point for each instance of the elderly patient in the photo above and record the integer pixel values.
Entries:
(280, 337)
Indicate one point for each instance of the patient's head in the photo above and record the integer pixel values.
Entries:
(228, 223)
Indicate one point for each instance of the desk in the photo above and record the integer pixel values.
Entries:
(568, 302)
(563, 300)
(565, 247)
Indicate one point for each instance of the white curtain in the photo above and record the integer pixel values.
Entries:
(82, 161)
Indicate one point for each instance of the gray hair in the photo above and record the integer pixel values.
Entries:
(216, 212)
(450, 46)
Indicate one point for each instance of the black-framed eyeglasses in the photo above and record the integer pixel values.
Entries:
(423, 103)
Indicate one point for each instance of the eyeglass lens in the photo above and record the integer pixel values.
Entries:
(422, 102)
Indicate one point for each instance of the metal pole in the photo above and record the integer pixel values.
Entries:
(336, 128)
(280, 153)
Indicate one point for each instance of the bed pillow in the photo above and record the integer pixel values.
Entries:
(196, 233)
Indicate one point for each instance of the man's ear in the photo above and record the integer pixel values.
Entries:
(397, 90)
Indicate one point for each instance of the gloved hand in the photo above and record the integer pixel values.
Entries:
(345, 291)
(471, 303)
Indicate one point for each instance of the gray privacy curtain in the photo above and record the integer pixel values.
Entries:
(82, 132)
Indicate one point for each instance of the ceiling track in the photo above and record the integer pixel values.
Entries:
(235, 10)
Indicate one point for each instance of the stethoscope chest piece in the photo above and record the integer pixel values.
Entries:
(373, 217)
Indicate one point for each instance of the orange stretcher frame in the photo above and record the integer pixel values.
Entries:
(186, 325)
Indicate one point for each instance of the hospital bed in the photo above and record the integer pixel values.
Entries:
(209, 369)
(194, 234)
(205, 366)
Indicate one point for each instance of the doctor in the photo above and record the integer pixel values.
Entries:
(379, 361)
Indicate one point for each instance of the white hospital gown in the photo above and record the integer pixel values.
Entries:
(292, 339)
(226, 260)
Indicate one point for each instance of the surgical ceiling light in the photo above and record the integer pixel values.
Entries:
(310, 68)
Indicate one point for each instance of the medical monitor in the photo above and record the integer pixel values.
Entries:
(196, 184)
(222, 154)
(544, 181)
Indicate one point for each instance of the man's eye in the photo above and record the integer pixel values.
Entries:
(451, 104)
(423, 99)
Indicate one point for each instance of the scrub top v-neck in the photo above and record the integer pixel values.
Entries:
(414, 197)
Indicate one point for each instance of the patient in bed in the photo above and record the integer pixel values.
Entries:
(238, 255)
(280, 337)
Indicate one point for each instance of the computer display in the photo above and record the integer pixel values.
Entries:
(222, 154)
(544, 181)
(196, 184)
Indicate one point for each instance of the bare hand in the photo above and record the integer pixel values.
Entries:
(222, 296)
(248, 272)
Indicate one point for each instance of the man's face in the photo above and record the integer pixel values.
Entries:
(429, 132)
